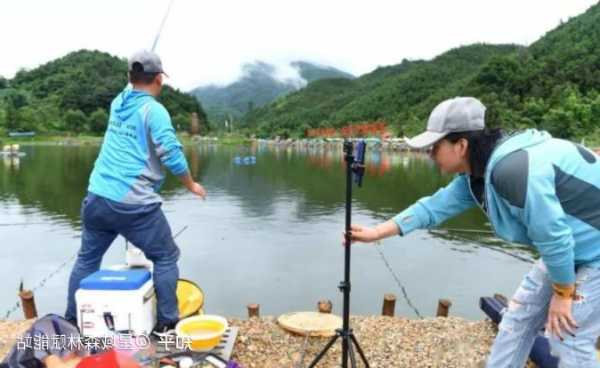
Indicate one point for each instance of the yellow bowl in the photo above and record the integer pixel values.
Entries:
(204, 332)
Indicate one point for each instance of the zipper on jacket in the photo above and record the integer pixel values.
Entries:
(482, 207)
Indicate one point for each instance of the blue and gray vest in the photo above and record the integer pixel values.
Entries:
(139, 137)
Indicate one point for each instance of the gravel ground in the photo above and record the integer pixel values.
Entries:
(387, 342)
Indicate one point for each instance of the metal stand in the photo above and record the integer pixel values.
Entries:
(345, 333)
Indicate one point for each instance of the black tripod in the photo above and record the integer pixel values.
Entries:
(356, 167)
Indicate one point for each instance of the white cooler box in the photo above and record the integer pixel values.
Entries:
(112, 302)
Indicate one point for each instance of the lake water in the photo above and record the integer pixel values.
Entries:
(269, 233)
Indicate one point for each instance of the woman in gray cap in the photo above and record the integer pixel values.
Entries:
(535, 190)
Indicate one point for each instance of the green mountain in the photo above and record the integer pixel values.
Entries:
(73, 94)
(311, 72)
(259, 84)
(387, 93)
(553, 84)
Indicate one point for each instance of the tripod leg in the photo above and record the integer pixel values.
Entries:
(345, 346)
(352, 357)
(360, 351)
(324, 351)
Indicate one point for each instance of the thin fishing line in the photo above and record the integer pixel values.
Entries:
(398, 282)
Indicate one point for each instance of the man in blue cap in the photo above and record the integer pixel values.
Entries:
(123, 189)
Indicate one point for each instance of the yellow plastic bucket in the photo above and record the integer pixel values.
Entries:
(204, 332)
(190, 298)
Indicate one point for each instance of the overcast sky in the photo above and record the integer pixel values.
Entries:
(207, 41)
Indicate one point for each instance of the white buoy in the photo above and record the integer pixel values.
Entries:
(136, 258)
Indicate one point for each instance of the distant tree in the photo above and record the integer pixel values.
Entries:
(98, 121)
(560, 123)
(181, 122)
(75, 121)
(2, 115)
(14, 100)
(195, 125)
(28, 119)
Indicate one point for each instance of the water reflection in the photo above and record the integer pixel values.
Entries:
(11, 162)
(54, 180)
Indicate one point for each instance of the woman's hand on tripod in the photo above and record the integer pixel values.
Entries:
(363, 234)
(359, 233)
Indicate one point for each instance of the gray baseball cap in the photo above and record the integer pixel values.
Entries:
(459, 114)
(149, 61)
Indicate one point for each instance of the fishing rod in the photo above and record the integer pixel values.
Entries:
(162, 25)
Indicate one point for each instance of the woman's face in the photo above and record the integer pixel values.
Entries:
(451, 158)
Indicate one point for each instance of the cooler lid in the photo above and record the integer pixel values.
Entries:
(115, 280)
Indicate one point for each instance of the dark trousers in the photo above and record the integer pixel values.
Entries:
(146, 227)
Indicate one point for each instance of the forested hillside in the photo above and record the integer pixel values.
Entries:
(553, 84)
(73, 94)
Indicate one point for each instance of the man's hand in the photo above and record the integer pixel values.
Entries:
(560, 318)
(192, 186)
(198, 189)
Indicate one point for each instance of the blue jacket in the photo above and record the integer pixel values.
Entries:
(538, 191)
(139, 137)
